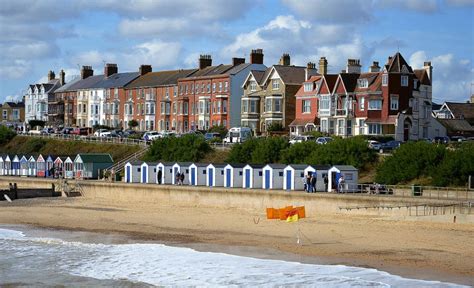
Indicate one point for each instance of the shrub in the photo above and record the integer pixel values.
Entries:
(298, 153)
(189, 147)
(410, 161)
(268, 150)
(274, 127)
(6, 134)
(219, 129)
(133, 123)
(242, 152)
(456, 167)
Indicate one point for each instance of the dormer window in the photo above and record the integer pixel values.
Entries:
(363, 83)
(404, 80)
(308, 87)
(275, 84)
(253, 86)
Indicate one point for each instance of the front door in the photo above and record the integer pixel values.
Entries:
(128, 174)
(144, 180)
(247, 178)
(227, 174)
(267, 179)
(288, 179)
(193, 176)
(211, 175)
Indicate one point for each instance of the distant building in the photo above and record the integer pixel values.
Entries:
(457, 118)
(37, 98)
(13, 114)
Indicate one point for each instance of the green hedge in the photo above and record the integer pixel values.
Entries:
(188, 147)
(6, 134)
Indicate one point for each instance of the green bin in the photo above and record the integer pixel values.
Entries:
(417, 190)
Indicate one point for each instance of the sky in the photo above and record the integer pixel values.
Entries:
(38, 36)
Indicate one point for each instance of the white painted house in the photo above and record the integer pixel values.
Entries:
(36, 99)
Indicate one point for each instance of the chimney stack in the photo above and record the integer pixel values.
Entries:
(256, 56)
(285, 59)
(205, 61)
(86, 71)
(375, 67)
(353, 66)
(429, 70)
(323, 66)
(237, 61)
(62, 77)
(144, 69)
(389, 60)
(110, 69)
(310, 70)
(51, 75)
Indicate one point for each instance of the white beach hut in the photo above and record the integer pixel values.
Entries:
(321, 171)
(68, 168)
(184, 168)
(7, 164)
(215, 175)
(293, 176)
(133, 172)
(253, 176)
(23, 166)
(197, 174)
(166, 172)
(273, 176)
(175, 169)
(2, 165)
(233, 175)
(16, 166)
(32, 167)
(351, 178)
(148, 172)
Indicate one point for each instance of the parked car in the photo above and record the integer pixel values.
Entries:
(100, 132)
(82, 131)
(212, 135)
(441, 139)
(151, 135)
(301, 138)
(376, 145)
(458, 138)
(66, 130)
(389, 146)
(324, 140)
(47, 131)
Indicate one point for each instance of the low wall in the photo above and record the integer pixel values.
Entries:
(252, 199)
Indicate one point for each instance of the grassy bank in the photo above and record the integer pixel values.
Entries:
(35, 146)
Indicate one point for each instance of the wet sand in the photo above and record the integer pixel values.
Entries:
(423, 250)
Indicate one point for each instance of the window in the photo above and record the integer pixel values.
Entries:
(244, 106)
(375, 104)
(224, 106)
(277, 105)
(393, 102)
(363, 83)
(340, 126)
(361, 103)
(16, 114)
(306, 106)
(219, 107)
(404, 81)
(253, 86)
(324, 103)
(308, 87)
(268, 105)
(384, 80)
(375, 129)
(5, 113)
(174, 108)
(208, 88)
(415, 83)
(220, 86)
(185, 108)
(361, 126)
(167, 92)
(275, 84)
(253, 106)
(214, 106)
(324, 125)
(226, 86)
(213, 87)
(175, 90)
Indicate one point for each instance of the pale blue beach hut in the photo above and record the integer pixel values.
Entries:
(253, 176)
(133, 171)
(32, 167)
(273, 176)
(16, 166)
(215, 175)
(233, 175)
(24, 166)
(351, 178)
(293, 177)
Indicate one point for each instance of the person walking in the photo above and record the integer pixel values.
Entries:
(340, 186)
(325, 179)
(313, 182)
(176, 178)
(308, 183)
(159, 175)
(181, 178)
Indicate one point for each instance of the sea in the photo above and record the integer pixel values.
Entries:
(39, 258)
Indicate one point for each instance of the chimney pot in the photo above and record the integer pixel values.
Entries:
(310, 70)
(353, 66)
(62, 77)
(323, 66)
(285, 59)
(86, 71)
(375, 67)
(237, 61)
(110, 69)
(256, 56)
(144, 69)
(51, 75)
(205, 61)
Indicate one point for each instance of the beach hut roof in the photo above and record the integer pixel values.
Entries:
(321, 167)
(218, 165)
(345, 167)
(255, 166)
(199, 164)
(166, 163)
(135, 163)
(151, 163)
(298, 166)
(96, 158)
(186, 164)
(276, 166)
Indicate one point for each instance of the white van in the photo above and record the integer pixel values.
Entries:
(238, 135)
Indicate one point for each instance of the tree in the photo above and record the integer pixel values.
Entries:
(222, 130)
(6, 134)
(275, 127)
(133, 123)
(188, 147)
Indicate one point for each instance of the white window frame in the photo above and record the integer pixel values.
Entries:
(307, 87)
(394, 102)
(404, 81)
(361, 103)
(384, 79)
(363, 83)
(376, 106)
(275, 84)
(306, 107)
(374, 129)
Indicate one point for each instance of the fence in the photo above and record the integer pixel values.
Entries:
(91, 139)
(428, 192)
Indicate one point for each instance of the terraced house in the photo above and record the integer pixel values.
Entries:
(274, 94)
(395, 101)
(37, 97)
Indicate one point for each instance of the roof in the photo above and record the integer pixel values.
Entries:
(218, 165)
(345, 167)
(87, 83)
(151, 163)
(116, 80)
(396, 64)
(237, 165)
(349, 80)
(198, 164)
(298, 166)
(258, 75)
(293, 75)
(456, 125)
(68, 86)
(167, 163)
(236, 69)
(422, 76)
(135, 163)
(321, 167)
(459, 110)
(211, 71)
(160, 78)
(276, 166)
(303, 122)
(255, 166)
(96, 157)
(15, 104)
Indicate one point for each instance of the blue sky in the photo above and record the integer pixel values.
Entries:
(38, 36)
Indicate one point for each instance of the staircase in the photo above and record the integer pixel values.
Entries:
(119, 166)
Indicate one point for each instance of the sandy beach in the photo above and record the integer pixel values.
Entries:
(423, 250)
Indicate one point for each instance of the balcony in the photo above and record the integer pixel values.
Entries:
(344, 112)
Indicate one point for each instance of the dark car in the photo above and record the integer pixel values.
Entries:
(212, 135)
(389, 146)
(441, 139)
(67, 130)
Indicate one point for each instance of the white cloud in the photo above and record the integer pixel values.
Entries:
(14, 69)
(417, 59)
(424, 6)
(13, 98)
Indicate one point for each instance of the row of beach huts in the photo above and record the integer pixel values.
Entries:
(271, 176)
(82, 166)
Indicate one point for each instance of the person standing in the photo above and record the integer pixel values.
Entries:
(340, 186)
(181, 178)
(326, 182)
(308, 183)
(176, 178)
(313, 182)
(159, 175)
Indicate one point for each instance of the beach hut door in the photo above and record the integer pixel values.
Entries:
(144, 178)
(267, 179)
(247, 178)
(211, 175)
(193, 176)
(227, 174)
(288, 179)
(128, 174)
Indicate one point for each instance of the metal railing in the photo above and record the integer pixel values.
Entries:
(90, 139)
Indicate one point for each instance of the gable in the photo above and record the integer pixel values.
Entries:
(339, 87)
